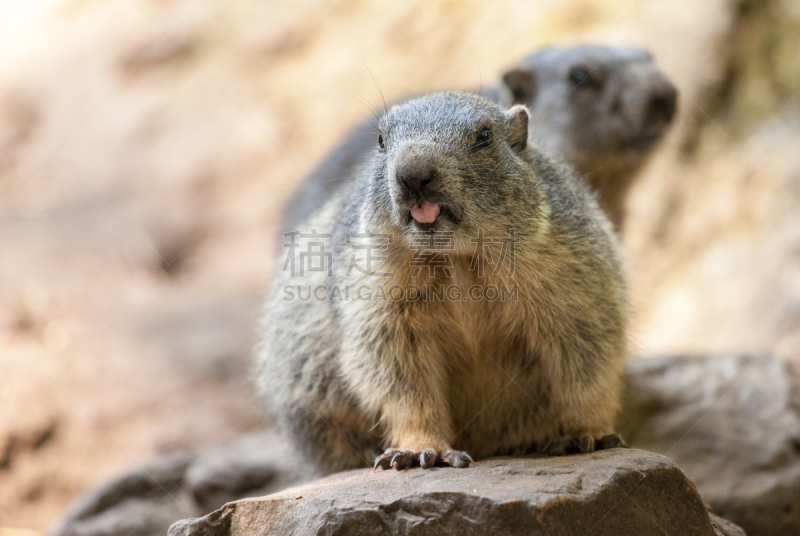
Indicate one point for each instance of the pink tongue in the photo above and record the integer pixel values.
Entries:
(426, 213)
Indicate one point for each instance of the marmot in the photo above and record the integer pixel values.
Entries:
(422, 364)
(600, 109)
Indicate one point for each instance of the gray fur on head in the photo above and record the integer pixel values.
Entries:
(434, 137)
(595, 99)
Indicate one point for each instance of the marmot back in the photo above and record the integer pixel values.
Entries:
(463, 296)
(600, 109)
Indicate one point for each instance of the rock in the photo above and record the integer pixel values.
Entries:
(723, 527)
(732, 423)
(130, 517)
(141, 503)
(612, 492)
(147, 500)
(258, 463)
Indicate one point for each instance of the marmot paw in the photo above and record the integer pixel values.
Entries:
(586, 444)
(404, 458)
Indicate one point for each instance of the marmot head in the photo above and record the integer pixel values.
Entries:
(450, 162)
(597, 107)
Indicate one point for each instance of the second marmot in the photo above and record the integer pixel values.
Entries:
(467, 300)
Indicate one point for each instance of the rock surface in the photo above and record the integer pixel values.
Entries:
(605, 493)
(732, 423)
(146, 501)
(141, 503)
(255, 464)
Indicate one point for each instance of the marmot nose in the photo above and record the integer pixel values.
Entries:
(417, 180)
(661, 107)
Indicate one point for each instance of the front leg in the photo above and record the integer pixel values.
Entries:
(589, 401)
(417, 436)
(401, 377)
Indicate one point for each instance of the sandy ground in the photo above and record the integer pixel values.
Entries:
(146, 149)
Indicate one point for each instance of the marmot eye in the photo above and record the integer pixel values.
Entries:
(380, 142)
(581, 76)
(484, 136)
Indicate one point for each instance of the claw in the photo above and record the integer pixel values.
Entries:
(381, 461)
(402, 460)
(587, 444)
(427, 458)
(611, 441)
(457, 459)
(462, 460)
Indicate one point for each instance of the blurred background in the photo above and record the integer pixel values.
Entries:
(147, 147)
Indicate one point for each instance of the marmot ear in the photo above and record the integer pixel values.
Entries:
(521, 82)
(518, 122)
